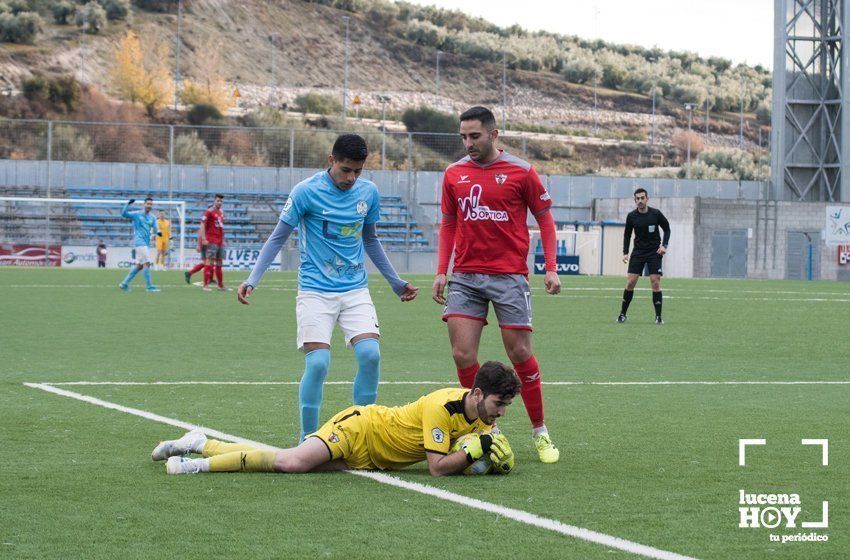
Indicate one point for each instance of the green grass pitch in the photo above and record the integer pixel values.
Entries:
(652, 464)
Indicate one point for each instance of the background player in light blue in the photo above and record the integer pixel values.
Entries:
(143, 223)
(336, 213)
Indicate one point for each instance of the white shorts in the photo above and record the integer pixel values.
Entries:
(143, 255)
(316, 313)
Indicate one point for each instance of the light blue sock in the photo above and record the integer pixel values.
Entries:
(147, 274)
(368, 353)
(310, 390)
(130, 276)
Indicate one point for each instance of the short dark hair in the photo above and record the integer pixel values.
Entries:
(482, 114)
(641, 190)
(148, 198)
(221, 196)
(350, 146)
(495, 378)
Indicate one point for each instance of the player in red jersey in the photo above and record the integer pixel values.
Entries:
(211, 245)
(486, 199)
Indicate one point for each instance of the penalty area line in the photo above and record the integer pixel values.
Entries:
(510, 513)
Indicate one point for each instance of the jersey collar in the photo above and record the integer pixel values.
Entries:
(489, 163)
(463, 404)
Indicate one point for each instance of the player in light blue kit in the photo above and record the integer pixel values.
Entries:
(336, 213)
(143, 223)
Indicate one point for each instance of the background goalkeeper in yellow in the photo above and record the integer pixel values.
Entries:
(162, 242)
(374, 436)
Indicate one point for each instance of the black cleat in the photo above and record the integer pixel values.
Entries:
(659, 320)
(188, 277)
(621, 318)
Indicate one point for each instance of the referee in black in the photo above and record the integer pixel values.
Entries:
(648, 252)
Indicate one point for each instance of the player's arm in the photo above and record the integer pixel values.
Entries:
(546, 222)
(446, 241)
(202, 233)
(271, 248)
(375, 250)
(125, 212)
(665, 225)
(445, 465)
(627, 237)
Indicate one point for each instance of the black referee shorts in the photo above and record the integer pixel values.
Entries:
(648, 261)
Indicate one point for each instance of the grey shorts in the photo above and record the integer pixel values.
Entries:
(469, 295)
(214, 251)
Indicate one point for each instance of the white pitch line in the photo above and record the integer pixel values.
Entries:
(514, 514)
(441, 383)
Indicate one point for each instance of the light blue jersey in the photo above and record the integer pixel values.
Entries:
(142, 225)
(331, 222)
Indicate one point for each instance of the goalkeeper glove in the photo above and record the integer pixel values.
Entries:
(131, 201)
(159, 234)
(478, 447)
(501, 455)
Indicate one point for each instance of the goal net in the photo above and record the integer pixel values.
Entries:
(39, 231)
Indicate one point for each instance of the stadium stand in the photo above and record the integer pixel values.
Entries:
(251, 216)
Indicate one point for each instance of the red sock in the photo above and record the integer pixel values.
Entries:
(196, 268)
(467, 375)
(532, 396)
(208, 274)
(219, 276)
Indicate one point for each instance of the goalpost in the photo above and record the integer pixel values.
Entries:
(586, 244)
(27, 220)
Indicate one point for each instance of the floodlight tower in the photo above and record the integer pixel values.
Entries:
(809, 157)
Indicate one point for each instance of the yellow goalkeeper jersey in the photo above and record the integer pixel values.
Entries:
(391, 438)
(165, 228)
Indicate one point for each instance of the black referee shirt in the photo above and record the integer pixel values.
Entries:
(645, 226)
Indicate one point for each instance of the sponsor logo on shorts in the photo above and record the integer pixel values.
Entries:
(474, 210)
(333, 438)
(438, 435)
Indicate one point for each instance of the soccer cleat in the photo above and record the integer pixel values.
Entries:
(545, 448)
(206, 289)
(124, 287)
(223, 289)
(621, 318)
(659, 320)
(187, 276)
(191, 442)
(153, 289)
(183, 465)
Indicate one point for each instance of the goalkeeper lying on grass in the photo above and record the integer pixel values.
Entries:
(375, 437)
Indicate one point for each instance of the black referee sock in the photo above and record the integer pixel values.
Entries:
(656, 301)
(627, 299)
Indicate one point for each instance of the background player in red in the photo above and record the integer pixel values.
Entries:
(211, 244)
(485, 203)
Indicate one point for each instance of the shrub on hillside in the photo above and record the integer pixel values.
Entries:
(164, 6)
(318, 103)
(62, 10)
(680, 141)
(19, 28)
(204, 114)
(17, 6)
(116, 9)
(91, 17)
(62, 93)
(425, 119)
(190, 149)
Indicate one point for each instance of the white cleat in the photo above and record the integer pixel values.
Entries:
(191, 442)
(184, 465)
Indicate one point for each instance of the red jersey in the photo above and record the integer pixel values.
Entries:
(214, 223)
(491, 204)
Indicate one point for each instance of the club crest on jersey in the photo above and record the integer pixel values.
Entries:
(362, 208)
(473, 209)
(501, 178)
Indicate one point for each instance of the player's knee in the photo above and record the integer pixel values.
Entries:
(464, 357)
(368, 353)
(656, 285)
(519, 352)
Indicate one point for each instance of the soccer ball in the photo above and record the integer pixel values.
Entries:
(482, 465)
